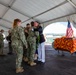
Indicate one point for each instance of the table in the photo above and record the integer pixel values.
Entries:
(65, 44)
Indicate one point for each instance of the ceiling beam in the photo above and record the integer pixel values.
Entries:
(4, 26)
(72, 3)
(8, 8)
(14, 9)
(5, 20)
(58, 18)
(46, 11)
(1, 18)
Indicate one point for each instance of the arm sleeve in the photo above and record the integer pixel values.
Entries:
(36, 33)
(22, 36)
(40, 30)
(1, 37)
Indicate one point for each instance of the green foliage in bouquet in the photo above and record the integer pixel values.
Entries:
(37, 41)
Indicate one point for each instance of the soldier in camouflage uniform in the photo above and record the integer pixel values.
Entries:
(31, 39)
(1, 42)
(18, 41)
(26, 30)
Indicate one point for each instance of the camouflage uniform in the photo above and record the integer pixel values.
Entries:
(31, 39)
(25, 50)
(18, 41)
(1, 44)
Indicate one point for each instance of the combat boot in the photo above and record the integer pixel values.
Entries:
(32, 63)
(19, 70)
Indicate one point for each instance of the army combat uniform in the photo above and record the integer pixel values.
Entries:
(1, 44)
(31, 39)
(18, 41)
(25, 50)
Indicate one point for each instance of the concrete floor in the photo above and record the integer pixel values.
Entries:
(55, 65)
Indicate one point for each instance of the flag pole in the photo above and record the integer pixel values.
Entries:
(68, 18)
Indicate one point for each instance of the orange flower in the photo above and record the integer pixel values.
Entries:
(65, 44)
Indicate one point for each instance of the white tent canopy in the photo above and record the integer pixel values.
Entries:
(44, 11)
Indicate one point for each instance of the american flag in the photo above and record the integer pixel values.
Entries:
(69, 31)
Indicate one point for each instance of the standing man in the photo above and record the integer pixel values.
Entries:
(9, 40)
(1, 42)
(31, 39)
(41, 46)
(26, 30)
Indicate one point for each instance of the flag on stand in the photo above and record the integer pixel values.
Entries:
(69, 31)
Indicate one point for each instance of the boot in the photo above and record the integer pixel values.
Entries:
(32, 63)
(19, 70)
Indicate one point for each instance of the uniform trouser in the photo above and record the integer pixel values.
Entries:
(41, 52)
(36, 52)
(24, 52)
(31, 51)
(1, 48)
(10, 48)
(19, 55)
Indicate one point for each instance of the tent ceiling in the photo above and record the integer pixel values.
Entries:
(5, 24)
(64, 10)
(2, 10)
(29, 10)
(11, 15)
(24, 24)
(74, 1)
(34, 7)
(7, 2)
